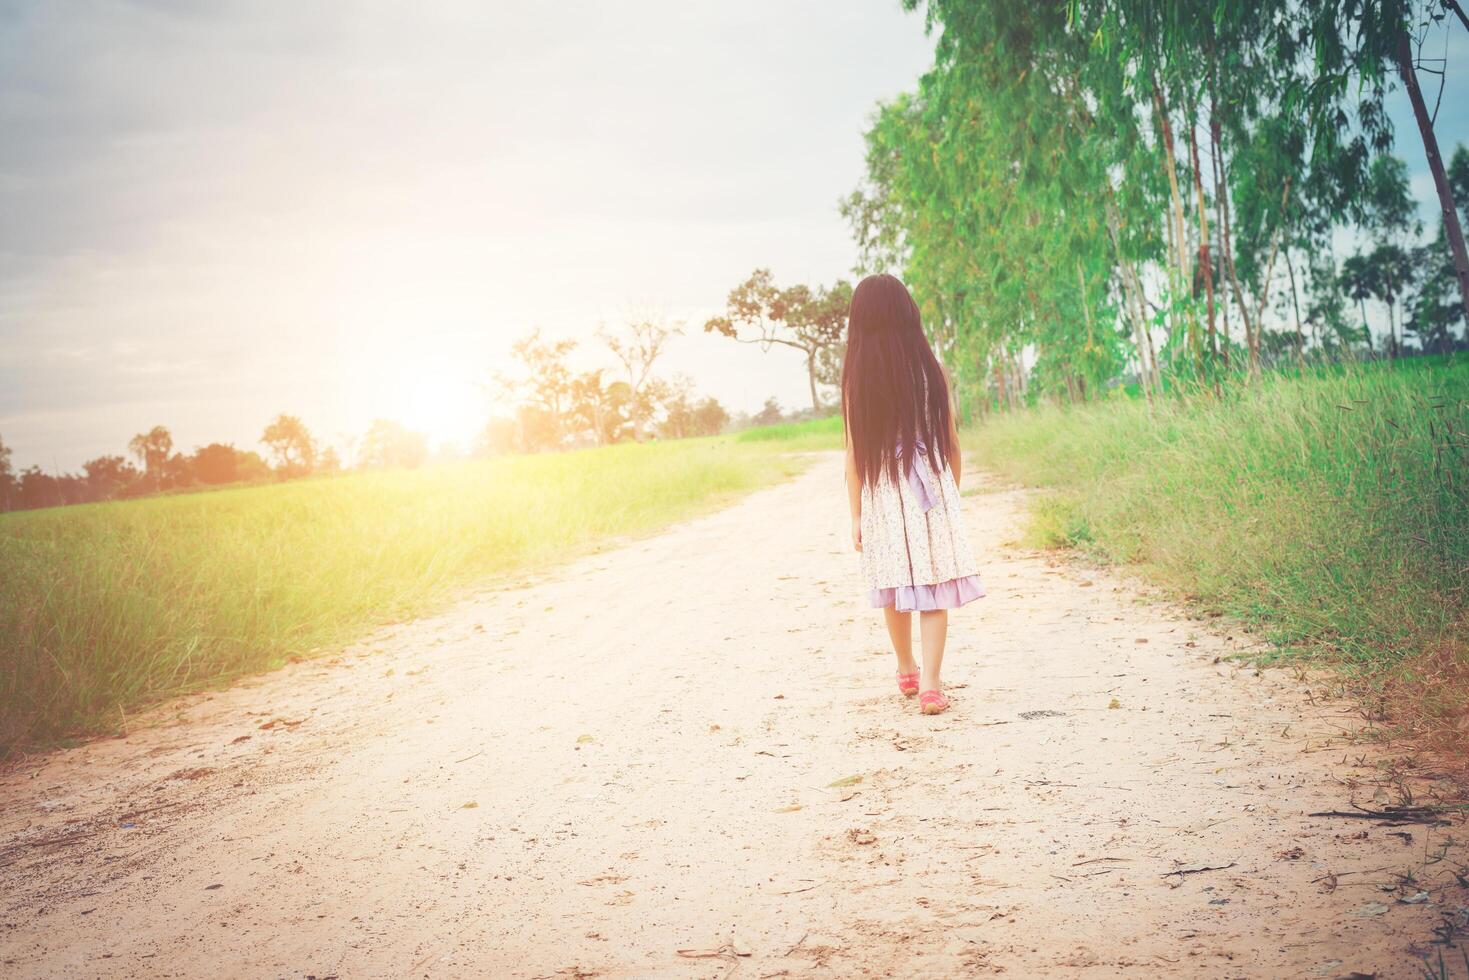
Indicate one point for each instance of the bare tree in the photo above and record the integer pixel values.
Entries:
(638, 346)
(542, 390)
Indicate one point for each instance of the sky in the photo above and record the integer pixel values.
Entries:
(212, 212)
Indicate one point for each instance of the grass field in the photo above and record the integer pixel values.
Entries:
(1332, 510)
(823, 433)
(107, 607)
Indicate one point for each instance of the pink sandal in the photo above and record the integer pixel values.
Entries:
(908, 683)
(933, 702)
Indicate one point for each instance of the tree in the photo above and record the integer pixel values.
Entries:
(1360, 282)
(1391, 215)
(388, 445)
(1458, 177)
(1435, 307)
(38, 489)
(1434, 310)
(1325, 303)
(678, 412)
(1393, 275)
(769, 414)
(537, 429)
(811, 321)
(543, 390)
(599, 408)
(216, 463)
(7, 478)
(108, 475)
(1070, 183)
(496, 439)
(1397, 36)
(710, 417)
(292, 445)
(637, 348)
(250, 466)
(684, 417)
(1391, 211)
(178, 472)
(152, 449)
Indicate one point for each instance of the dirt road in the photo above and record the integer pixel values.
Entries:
(686, 757)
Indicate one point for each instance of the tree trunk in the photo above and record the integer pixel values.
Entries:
(1228, 251)
(1193, 148)
(1270, 265)
(1165, 128)
(1217, 168)
(1239, 298)
(1296, 306)
(811, 377)
(1086, 312)
(1135, 310)
(1392, 330)
(1452, 229)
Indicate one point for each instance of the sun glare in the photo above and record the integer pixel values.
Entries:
(437, 394)
(448, 409)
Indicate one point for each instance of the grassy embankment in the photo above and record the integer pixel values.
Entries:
(813, 434)
(1330, 510)
(105, 608)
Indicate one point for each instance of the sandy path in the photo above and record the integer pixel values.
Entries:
(640, 753)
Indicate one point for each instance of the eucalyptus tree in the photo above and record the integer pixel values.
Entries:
(1359, 281)
(1372, 43)
(1074, 179)
(1435, 309)
(1390, 216)
(1000, 229)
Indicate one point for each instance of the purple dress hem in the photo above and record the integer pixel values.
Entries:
(927, 598)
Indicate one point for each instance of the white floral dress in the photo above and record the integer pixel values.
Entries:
(915, 554)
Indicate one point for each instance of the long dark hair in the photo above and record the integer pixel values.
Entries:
(893, 389)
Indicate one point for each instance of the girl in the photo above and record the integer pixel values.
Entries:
(903, 470)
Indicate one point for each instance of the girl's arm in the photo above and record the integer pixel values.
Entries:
(854, 497)
(956, 463)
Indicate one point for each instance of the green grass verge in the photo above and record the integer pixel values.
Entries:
(107, 607)
(813, 434)
(1331, 509)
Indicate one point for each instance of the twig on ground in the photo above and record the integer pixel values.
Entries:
(797, 891)
(1197, 871)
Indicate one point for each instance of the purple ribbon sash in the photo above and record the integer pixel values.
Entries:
(919, 473)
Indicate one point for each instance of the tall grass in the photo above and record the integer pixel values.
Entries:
(812, 434)
(1330, 509)
(106, 607)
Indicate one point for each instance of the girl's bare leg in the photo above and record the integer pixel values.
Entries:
(900, 630)
(934, 628)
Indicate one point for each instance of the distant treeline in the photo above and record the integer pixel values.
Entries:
(558, 408)
(159, 467)
(553, 408)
